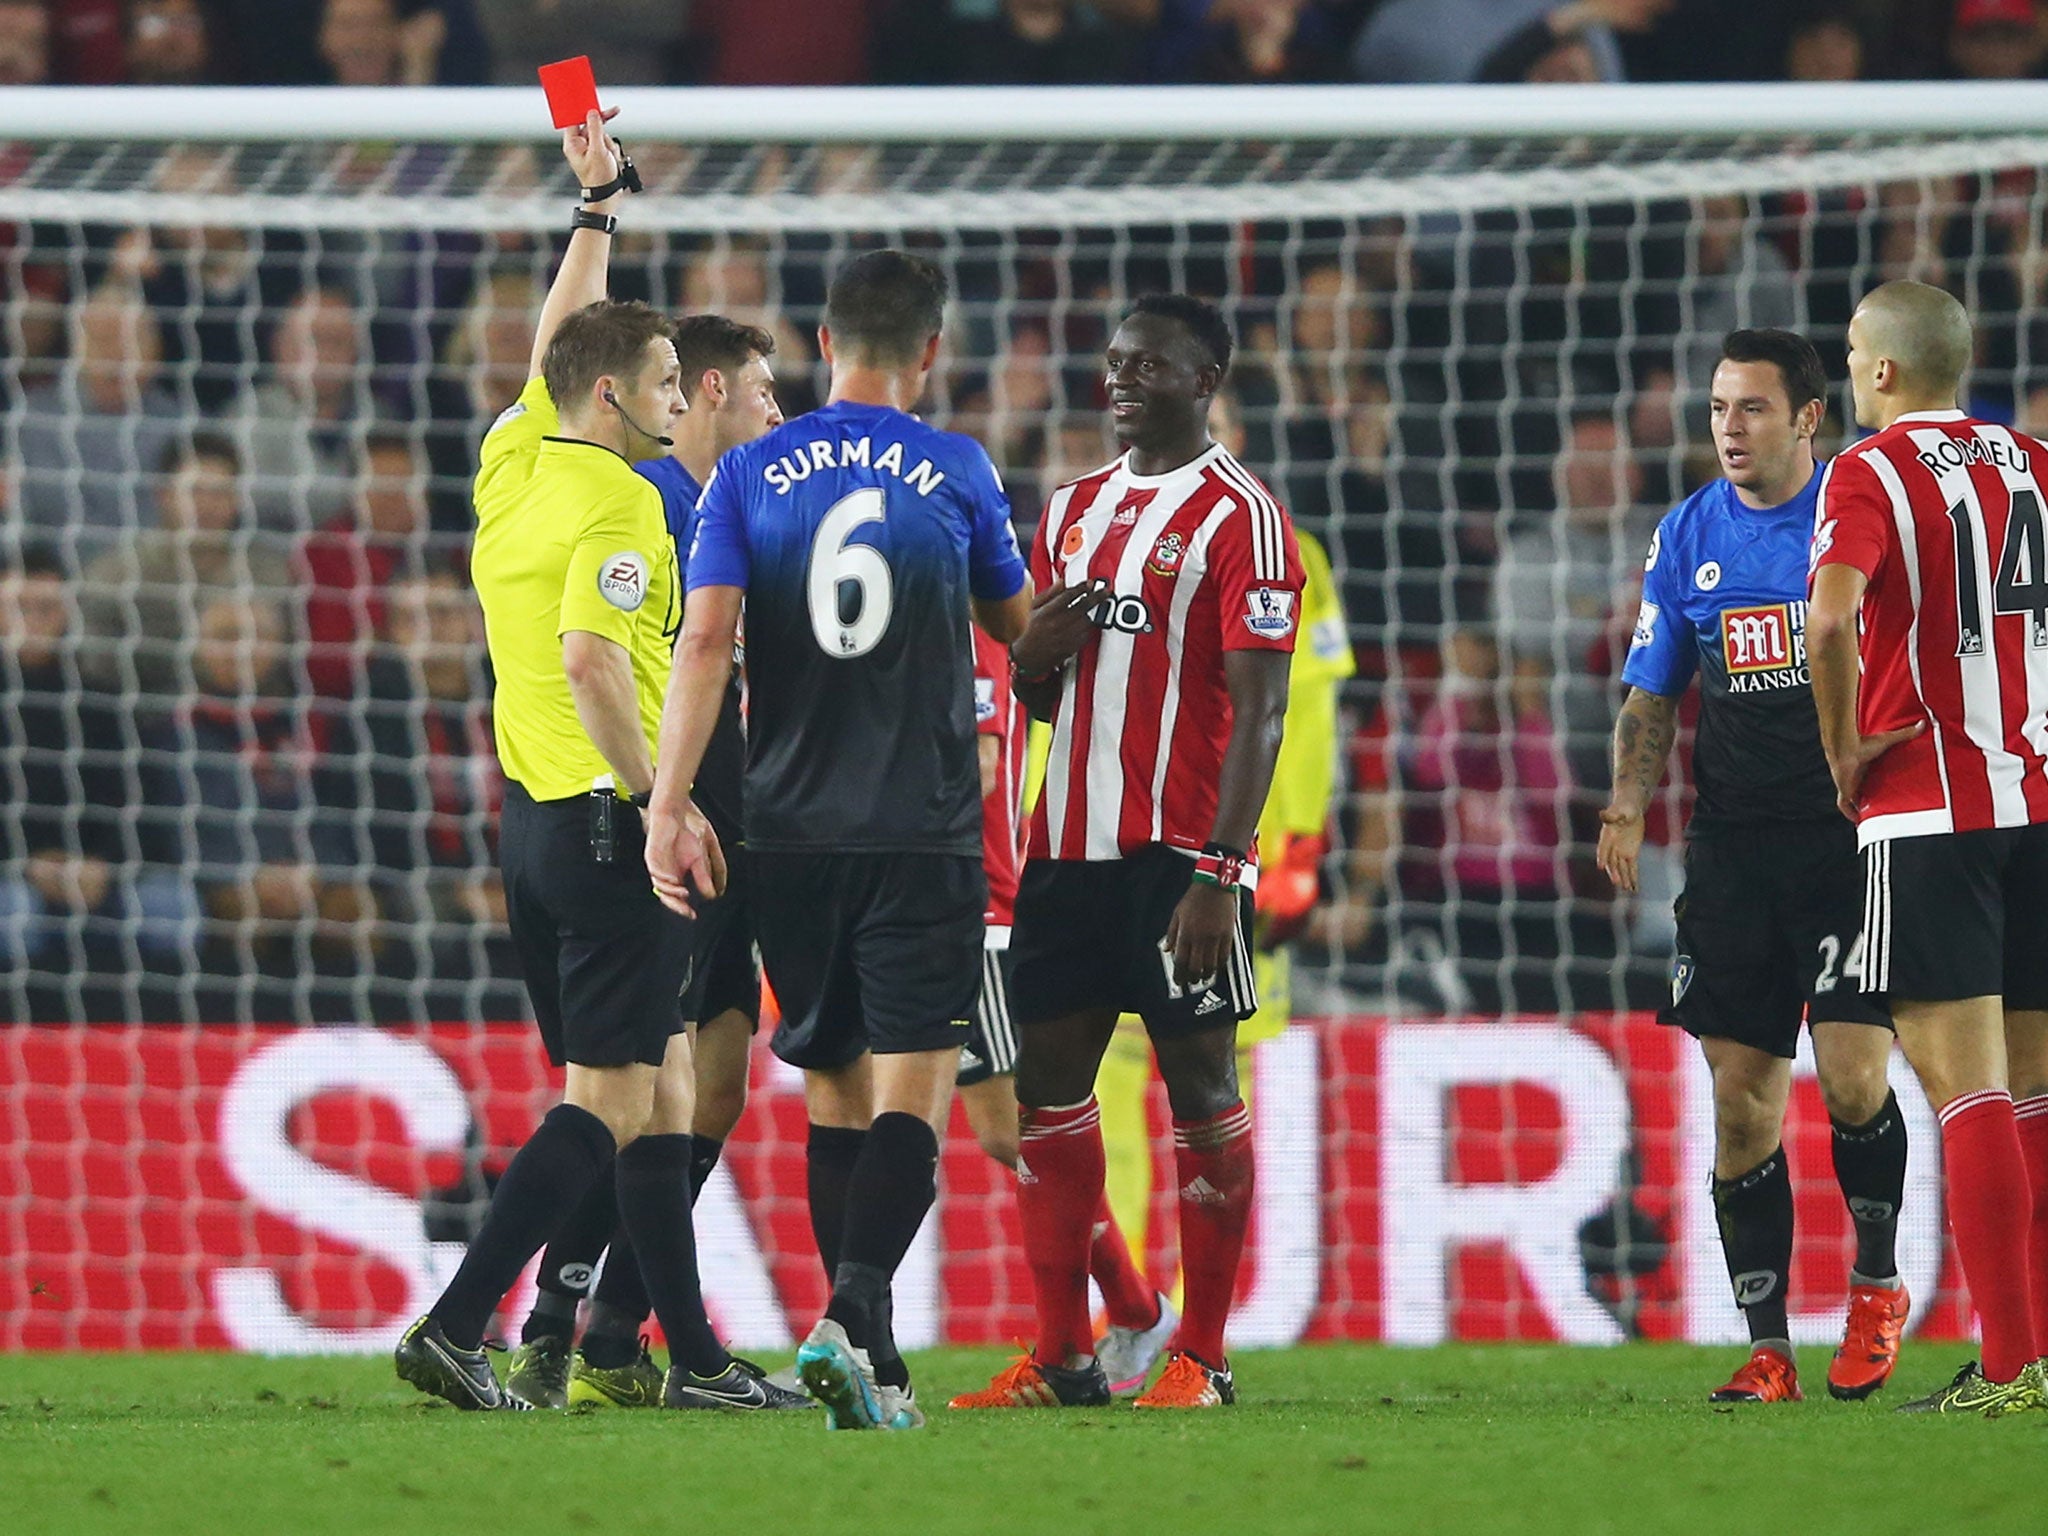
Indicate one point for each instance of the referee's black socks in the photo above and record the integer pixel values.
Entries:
(569, 1264)
(1870, 1165)
(1755, 1214)
(654, 1206)
(893, 1185)
(545, 1180)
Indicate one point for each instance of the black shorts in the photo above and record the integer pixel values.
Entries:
(605, 962)
(1962, 914)
(1088, 935)
(991, 1048)
(1770, 931)
(724, 974)
(869, 951)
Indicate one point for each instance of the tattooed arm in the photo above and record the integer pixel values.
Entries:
(1643, 733)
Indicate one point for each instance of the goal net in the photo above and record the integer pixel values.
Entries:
(266, 1053)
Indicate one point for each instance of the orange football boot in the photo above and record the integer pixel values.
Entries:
(1024, 1383)
(1188, 1382)
(1870, 1341)
(1766, 1377)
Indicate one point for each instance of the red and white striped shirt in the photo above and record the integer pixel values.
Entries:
(999, 713)
(1200, 561)
(1943, 514)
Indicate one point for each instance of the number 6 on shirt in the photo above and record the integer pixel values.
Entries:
(833, 562)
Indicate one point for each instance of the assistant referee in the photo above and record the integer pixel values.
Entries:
(582, 602)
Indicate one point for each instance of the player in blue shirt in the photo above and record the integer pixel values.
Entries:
(729, 385)
(860, 539)
(1770, 924)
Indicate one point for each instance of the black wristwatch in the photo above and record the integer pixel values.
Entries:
(644, 799)
(603, 223)
(628, 179)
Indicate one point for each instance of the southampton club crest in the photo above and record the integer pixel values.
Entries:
(1167, 554)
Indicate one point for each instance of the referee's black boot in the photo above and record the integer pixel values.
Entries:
(742, 1384)
(463, 1377)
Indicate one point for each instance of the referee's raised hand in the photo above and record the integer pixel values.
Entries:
(684, 858)
(593, 154)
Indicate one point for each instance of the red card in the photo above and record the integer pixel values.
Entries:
(572, 90)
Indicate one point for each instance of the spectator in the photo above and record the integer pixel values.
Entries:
(140, 601)
(1018, 42)
(1483, 832)
(1449, 41)
(72, 901)
(295, 430)
(1250, 42)
(345, 565)
(233, 776)
(1826, 44)
(168, 43)
(432, 783)
(85, 442)
(1997, 40)
(630, 42)
(24, 42)
(380, 42)
(813, 42)
(1557, 583)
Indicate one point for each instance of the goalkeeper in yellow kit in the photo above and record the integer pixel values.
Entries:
(1292, 841)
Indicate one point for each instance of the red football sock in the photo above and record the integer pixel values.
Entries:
(1990, 1210)
(2032, 1115)
(1214, 1158)
(1059, 1187)
(1127, 1296)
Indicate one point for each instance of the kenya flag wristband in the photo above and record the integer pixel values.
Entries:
(1220, 866)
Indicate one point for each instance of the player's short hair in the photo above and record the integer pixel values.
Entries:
(217, 446)
(1923, 329)
(713, 341)
(885, 306)
(1204, 322)
(1797, 361)
(33, 560)
(606, 338)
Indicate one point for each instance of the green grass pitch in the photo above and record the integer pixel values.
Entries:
(1326, 1439)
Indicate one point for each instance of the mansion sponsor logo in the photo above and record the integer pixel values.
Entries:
(1764, 648)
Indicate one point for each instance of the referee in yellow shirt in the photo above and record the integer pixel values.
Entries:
(582, 602)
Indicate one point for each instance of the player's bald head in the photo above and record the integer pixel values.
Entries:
(1922, 330)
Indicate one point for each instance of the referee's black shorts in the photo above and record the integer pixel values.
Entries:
(868, 951)
(1088, 935)
(605, 962)
(1959, 914)
(1770, 933)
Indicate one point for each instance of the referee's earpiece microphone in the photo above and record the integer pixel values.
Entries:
(612, 400)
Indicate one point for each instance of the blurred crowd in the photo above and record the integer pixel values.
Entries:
(244, 704)
(245, 743)
(1012, 42)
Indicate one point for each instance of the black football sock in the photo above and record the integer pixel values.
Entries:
(569, 1264)
(618, 1308)
(892, 1188)
(1870, 1165)
(829, 1158)
(1755, 1214)
(704, 1154)
(542, 1186)
(654, 1204)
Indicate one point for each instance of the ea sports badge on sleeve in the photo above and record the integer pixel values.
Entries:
(622, 580)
